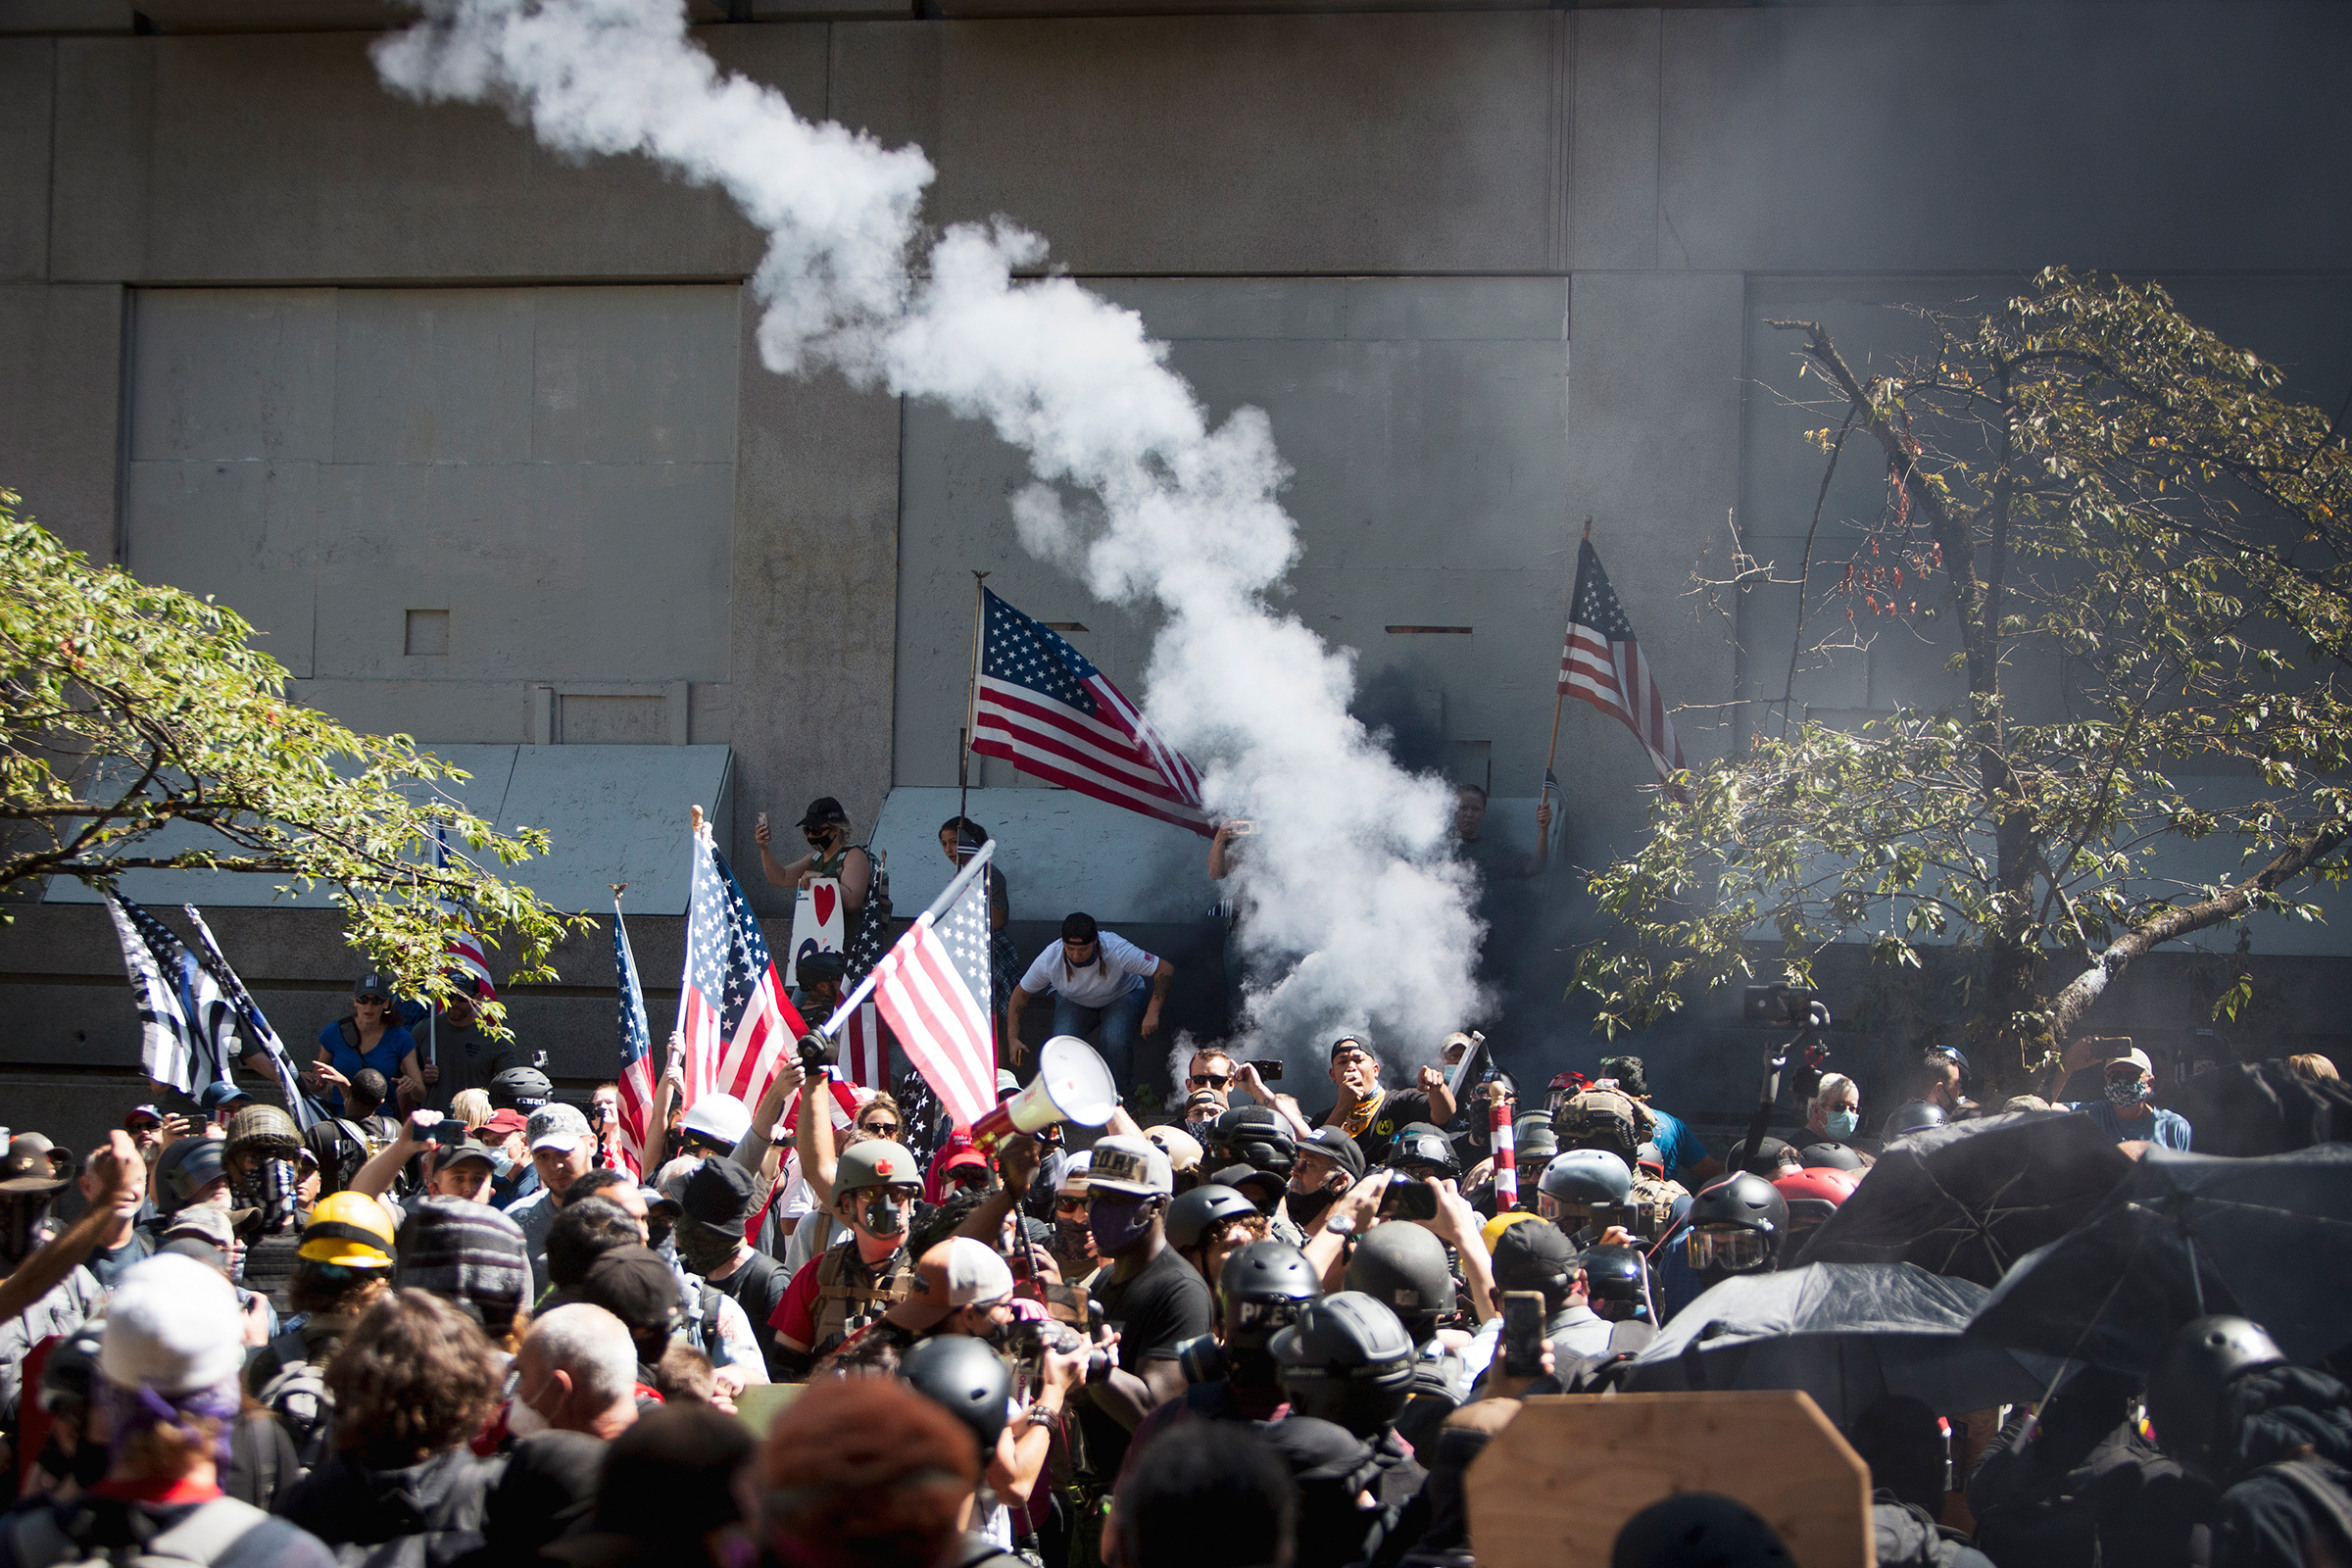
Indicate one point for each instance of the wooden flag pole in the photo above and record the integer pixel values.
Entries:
(971, 700)
(1558, 697)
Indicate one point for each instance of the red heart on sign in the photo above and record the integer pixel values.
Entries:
(824, 897)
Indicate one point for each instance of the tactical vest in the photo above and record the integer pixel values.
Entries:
(850, 1294)
(1657, 1195)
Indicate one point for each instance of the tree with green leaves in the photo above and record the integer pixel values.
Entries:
(126, 709)
(2146, 554)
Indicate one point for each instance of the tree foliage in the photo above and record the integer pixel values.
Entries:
(2146, 552)
(126, 709)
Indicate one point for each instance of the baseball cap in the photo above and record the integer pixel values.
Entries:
(2135, 1056)
(1335, 1144)
(374, 983)
(1131, 1165)
(718, 1194)
(1345, 1042)
(504, 1124)
(1008, 1082)
(208, 1222)
(27, 1167)
(1528, 1255)
(220, 1093)
(1182, 1147)
(142, 1112)
(1076, 1175)
(1262, 1187)
(962, 1160)
(822, 811)
(556, 1126)
(635, 1285)
(197, 1169)
(465, 1149)
(173, 1326)
(1203, 1105)
(960, 1271)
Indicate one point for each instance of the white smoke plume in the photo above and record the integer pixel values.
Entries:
(1357, 914)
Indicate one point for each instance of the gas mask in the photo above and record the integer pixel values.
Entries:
(1840, 1123)
(2125, 1093)
(884, 1214)
(1117, 1221)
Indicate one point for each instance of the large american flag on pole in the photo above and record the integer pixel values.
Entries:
(187, 1025)
(931, 985)
(733, 1013)
(1604, 664)
(465, 947)
(1040, 705)
(636, 1076)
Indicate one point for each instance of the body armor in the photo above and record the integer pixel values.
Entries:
(850, 1294)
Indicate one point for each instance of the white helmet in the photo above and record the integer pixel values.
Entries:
(721, 1119)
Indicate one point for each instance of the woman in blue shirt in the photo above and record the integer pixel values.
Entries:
(371, 1037)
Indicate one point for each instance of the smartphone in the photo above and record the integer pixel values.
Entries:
(1267, 1071)
(763, 819)
(1241, 827)
(1408, 1198)
(1523, 1334)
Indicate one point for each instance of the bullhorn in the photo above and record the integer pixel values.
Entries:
(1071, 1085)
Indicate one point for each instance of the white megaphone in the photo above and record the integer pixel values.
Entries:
(1072, 1083)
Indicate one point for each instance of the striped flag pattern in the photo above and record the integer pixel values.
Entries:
(1042, 706)
(307, 1111)
(473, 959)
(732, 1011)
(864, 1048)
(1604, 664)
(188, 1028)
(929, 986)
(1504, 1142)
(636, 1076)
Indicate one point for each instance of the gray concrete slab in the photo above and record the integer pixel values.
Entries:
(1915, 138)
(1244, 144)
(60, 410)
(27, 84)
(1612, 190)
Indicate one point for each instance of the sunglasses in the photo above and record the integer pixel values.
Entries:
(880, 1129)
(1070, 1205)
(372, 1001)
(1209, 1080)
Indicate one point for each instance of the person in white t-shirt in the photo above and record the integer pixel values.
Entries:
(1100, 981)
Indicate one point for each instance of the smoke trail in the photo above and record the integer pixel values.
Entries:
(1348, 893)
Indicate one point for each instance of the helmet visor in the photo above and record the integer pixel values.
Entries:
(1728, 1249)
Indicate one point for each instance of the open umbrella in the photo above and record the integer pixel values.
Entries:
(2270, 1239)
(1844, 1333)
(1972, 1199)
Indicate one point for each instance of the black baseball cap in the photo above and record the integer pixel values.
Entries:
(1334, 1144)
(466, 1149)
(374, 983)
(635, 1285)
(823, 811)
(1530, 1253)
(220, 1093)
(1345, 1041)
(1079, 927)
(718, 1194)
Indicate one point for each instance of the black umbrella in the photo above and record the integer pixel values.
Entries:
(1844, 1333)
(1972, 1199)
(2270, 1239)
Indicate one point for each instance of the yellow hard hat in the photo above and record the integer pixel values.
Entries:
(350, 1230)
(1492, 1231)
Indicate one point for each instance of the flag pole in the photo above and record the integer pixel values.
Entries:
(831, 1028)
(972, 698)
(1558, 697)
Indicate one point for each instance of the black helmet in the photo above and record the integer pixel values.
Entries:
(2188, 1387)
(1532, 1139)
(1254, 1136)
(1418, 1143)
(1829, 1156)
(1615, 1273)
(1698, 1527)
(1403, 1267)
(1194, 1214)
(1264, 1285)
(972, 1381)
(819, 964)
(1737, 1225)
(523, 1089)
(72, 1363)
(1582, 1177)
(1347, 1360)
(1911, 1117)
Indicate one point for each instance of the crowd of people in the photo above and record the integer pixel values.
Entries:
(453, 1323)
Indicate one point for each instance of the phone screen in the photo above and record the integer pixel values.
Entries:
(1408, 1198)
(1268, 1071)
(1523, 1334)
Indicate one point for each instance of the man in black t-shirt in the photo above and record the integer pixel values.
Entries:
(1150, 1295)
(712, 1210)
(1372, 1115)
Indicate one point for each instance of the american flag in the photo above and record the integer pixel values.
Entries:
(307, 1112)
(1604, 664)
(865, 1049)
(733, 1013)
(636, 1077)
(467, 946)
(1040, 706)
(930, 985)
(187, 1026)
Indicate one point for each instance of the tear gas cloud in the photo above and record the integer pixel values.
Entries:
(1353, 910)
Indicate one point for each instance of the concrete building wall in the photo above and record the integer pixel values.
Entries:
(1489, 269)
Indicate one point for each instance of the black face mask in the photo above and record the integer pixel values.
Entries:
(885, 1216)
(1308, 1207)
(89, 1463)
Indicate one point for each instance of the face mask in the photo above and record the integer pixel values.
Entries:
(2125, 1093)
(1117, 1226)
(1071, 1237)
(885, 1216)
(1841, 1123)
(522, 1419)
(703, 1247)
(1308, 1207)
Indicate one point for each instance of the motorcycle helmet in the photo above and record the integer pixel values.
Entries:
(1405, 1268)
(1737, 1225)
(1347, 1360)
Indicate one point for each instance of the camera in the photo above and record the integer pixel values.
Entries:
(1201, 1359)
(1033, 1337)
(1268, 1071)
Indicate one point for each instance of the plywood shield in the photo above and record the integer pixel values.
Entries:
(1557, 1483)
